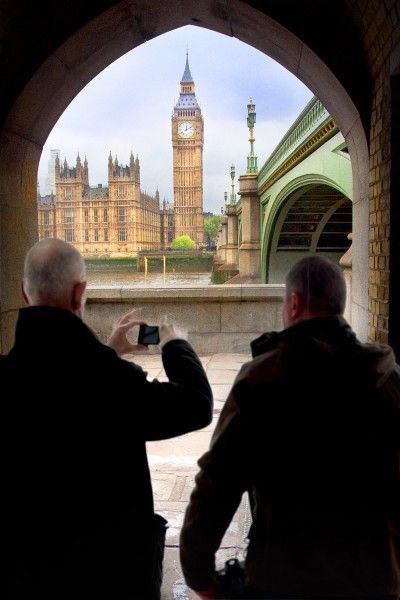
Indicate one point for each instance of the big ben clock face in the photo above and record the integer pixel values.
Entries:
(186, 130)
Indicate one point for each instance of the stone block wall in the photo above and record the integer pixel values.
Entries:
(217, 318)
(380, 22)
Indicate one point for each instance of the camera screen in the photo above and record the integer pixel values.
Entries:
(148, 334)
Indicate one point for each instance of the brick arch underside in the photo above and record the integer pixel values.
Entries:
(97, 44)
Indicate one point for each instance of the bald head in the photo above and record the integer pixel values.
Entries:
(315, 287)
(52, 271)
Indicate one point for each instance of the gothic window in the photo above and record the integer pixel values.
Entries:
(96, 235)
(69, 235)
(105, 215)
(96, 215)
(121, 191)
(46, 218)
(86, 215)
(67, 193)
(46, 234)
(121, 214)
(86, 235)
(122, 235)
(106, 235)
(69, 215)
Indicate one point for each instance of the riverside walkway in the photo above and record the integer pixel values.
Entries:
(173, 465)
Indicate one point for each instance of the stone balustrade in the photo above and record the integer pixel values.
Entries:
(218, 318)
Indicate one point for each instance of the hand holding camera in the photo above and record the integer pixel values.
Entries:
(171, 332)
(118, 339)
(152, 334)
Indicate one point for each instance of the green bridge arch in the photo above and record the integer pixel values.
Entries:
(305, 193)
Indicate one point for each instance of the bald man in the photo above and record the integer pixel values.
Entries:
(78, 515)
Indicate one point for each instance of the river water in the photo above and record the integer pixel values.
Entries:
(128, 279)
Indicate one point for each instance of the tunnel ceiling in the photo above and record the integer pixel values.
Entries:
(318, 220)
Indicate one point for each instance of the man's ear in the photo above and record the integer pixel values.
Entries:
(24, 295)
(78, 296)
(296, 306)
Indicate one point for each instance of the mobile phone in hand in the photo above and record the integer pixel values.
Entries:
(148, 334)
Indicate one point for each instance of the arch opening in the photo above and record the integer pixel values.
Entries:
(96, 43)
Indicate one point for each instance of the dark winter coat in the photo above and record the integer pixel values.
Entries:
(79, 505)
(311, 430)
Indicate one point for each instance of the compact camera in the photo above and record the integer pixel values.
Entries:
(148, 334)
(231, 579)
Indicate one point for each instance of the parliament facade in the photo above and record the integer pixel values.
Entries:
(121, 219)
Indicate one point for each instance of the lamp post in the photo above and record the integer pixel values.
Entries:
(251, 119)
(233, 195)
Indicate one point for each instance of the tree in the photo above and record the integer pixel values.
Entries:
(183, 242)
(211, 226)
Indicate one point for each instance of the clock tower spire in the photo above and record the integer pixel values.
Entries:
(187, 145)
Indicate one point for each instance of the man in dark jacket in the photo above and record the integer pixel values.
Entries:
(311, 431)
(78, 519)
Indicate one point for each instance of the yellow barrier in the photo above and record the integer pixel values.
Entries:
(164, 267)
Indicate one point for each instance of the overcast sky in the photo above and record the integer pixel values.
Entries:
(129, 105)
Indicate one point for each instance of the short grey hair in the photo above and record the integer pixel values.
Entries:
(52, 267)
(321, 284)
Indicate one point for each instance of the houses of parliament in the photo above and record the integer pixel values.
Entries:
(121, 219)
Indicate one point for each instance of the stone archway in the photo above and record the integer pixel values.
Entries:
(98, 43)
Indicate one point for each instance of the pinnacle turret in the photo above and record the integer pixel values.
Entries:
(187, 76)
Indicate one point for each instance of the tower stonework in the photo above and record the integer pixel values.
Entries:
(187, 144)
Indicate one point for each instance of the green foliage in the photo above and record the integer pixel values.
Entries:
(183, 242)
(218, 278)
(211, 226)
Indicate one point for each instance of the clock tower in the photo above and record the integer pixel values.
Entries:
(187, 144)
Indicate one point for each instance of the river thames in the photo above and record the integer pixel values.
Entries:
(129, 279)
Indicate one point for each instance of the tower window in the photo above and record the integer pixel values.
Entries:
(46, 218)
(96, 215)
(122, 235)
(69, 235)
(69, 215)
(121, 214)
(121, 191)
(86, 215)
(67, 193)
(105, 215)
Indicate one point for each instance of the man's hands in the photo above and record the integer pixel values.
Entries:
(171, 332)
(118, 340)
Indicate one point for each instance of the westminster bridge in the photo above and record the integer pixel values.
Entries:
(298, 203)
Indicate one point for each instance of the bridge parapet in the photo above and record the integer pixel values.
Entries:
(218, 318)
(310, 120)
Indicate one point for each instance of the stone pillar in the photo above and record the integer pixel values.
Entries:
(217, 256)
(224, 239)
(18, 224)
(232, 235)
(249, 252)
(346, 263)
